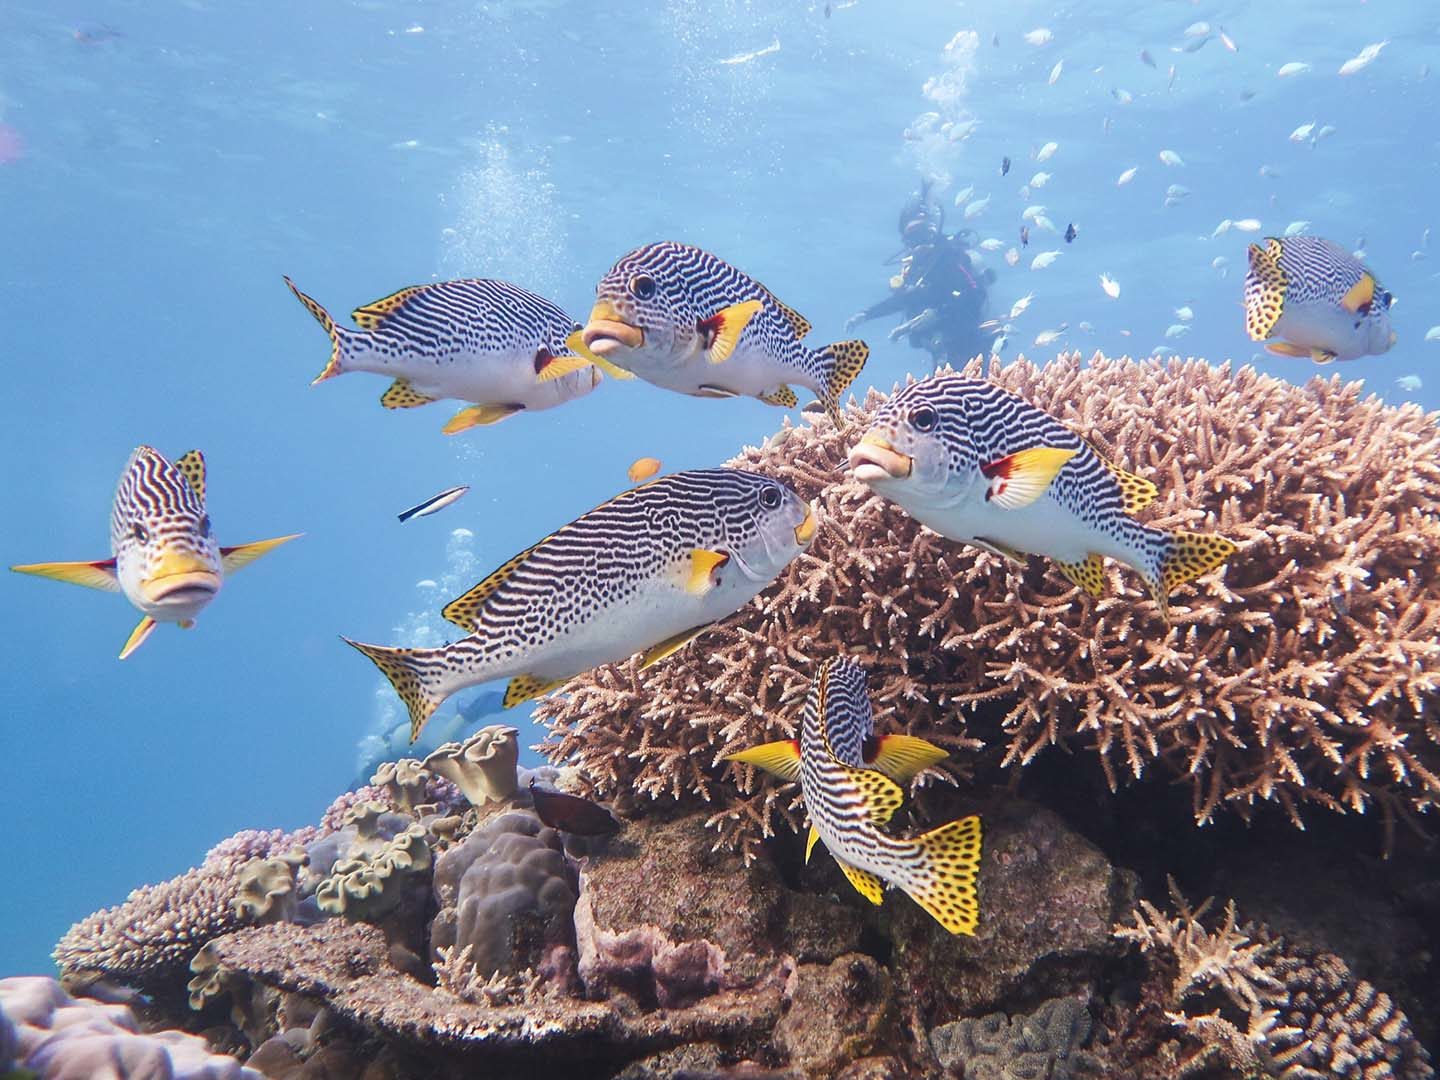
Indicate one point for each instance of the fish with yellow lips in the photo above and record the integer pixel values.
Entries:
(686, 320)
(164, 556)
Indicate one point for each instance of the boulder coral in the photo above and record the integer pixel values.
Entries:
(1306, 673)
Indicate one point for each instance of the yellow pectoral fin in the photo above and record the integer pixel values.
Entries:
(137, 636)
(524, 687)
(901, 757)
(234, 558)
(93, 575)
(558, 366)
(779, 758)
(1284, 348)
(810, 842)
(675, 643)
(726, 326)
(479, 416)
(703, 565)
(402, 395)
(1019, 479)
(192, 464)
(1360, 294)
(576, 344)
(866, 883)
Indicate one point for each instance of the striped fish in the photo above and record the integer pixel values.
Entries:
(851, 784)
(645, 572)
(1317, 299)
(476, 339)
(164, 555)
(681, 318)
(978, 464)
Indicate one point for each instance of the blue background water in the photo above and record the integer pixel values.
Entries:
(180, 157)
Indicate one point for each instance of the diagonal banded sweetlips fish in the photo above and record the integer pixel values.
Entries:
(851, 784)
(978, 464)
(476, 339)
(681, 318)
(645, 572)
(164, 555)
(1318, 299)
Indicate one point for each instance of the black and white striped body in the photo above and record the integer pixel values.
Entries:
(1315, 275)
(950, 427)
(479, 340)
(691, 285)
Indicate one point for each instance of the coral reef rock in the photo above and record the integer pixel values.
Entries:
(1303, 674)
(837, 1013)
(1045, 1045)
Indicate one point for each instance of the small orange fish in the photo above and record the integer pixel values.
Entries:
(643, 469)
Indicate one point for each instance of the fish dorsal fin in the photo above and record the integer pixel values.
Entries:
(1018, 479)
(1088, 573)
(143, 629)
(1136, 492)
(723, 329)
(93, 575)
(192, 465)
(901, 757)
(242, 555)
(882, 795)
(464, 610)
(810, 838)
(402, 395)
(866, 883)
(700, 578)
(1264, 291)
(672, 644)
(798, 322)
(372, 316)
(1360, 295)
(780, 758)
(525, 687)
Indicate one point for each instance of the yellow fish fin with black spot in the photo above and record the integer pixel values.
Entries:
(1136, 492)
(952, 855)
(672, 644)
(335, 333)
(798, 322)
(93, 575)
(1360, 294)
(780, 758)
(402, 395)
(782, 396)
(192, 465)
(1265, 287)
(464, 610)
(1190, 555)
(902, 757)
(143, 629)
(525, 687)
(810, 840)
(479, 416)
(703, 565)
(842, 363)
(1088, 573)
(242, 555)
(882, 796)
(413, 678)
(866, 884)
(1018, 479)
(723, 329)
(372, 316)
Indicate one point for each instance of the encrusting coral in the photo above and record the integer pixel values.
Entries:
(1045, 1043)
(1306, 672)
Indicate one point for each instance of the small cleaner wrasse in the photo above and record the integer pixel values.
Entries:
(978, 464)
(643, 573)
(851, 784)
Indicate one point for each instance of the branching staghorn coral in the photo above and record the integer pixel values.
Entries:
(1301, 674)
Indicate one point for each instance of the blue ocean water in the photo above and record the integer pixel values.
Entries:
(162, 165)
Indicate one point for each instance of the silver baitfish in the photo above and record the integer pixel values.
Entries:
(164, 555)
(478, 340)
(681, 318)
(978, 464)
(1318, 299)
(645, 572)
(851, 784)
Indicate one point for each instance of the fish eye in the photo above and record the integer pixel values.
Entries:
(770, 498)
(139, 532)
(205, 525)
(643, 286)
(924, 418)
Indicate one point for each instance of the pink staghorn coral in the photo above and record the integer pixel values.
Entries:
(1299, 675)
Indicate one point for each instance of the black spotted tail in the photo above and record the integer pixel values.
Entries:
(336, 332)
(416, 675)
(841, 363)
(1184, 558)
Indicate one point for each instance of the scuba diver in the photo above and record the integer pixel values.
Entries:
(938, 290)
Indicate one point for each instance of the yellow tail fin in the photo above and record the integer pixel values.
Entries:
(953, 855)
(407, 677)
(323, 318)
(1190, 555)
(844, 360)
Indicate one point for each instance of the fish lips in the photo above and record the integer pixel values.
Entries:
(874, 460)
(605, 334)
(185, 588)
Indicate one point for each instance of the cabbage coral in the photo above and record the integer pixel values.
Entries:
(1300, 674)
